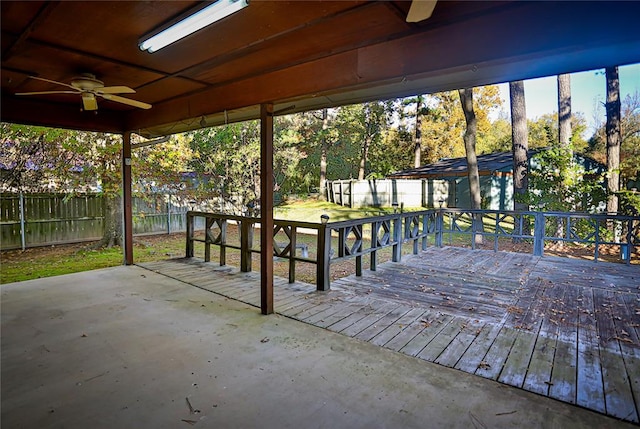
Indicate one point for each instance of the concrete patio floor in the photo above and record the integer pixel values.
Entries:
(128, 348)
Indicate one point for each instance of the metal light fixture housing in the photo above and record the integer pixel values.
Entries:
(193, 22)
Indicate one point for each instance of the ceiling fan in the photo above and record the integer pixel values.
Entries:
(89, 88)
(420, 10)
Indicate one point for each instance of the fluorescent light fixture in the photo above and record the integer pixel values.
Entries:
(204, 17)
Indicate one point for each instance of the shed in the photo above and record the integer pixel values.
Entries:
(496, 178)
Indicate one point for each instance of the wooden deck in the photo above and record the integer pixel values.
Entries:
(562, 328)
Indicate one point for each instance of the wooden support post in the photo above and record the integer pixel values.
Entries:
(127, 232)
(538, 234)
(323, 260)
(189, 246)
(266, 208)
(292, 255)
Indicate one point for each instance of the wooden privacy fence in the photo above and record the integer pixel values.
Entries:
(354, 239)
(31, 220)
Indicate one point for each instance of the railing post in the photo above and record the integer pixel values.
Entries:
(538, 234)
(425, 231)
(292, 255)
(208, 223)
(629, 241)
(359, 257)
(373, 266)
(246, 242)
(397, 239)
(189, 245)
(323, 259)
(223, 242)
(439, 227)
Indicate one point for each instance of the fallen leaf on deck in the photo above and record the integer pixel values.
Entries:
(484, 365)
(264, 340)
(191, 422)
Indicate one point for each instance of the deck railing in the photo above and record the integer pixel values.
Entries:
(354, 239)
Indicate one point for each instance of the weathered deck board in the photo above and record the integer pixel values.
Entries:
(475, 353)
(590, 390)
(394, 329)
(538, 378)
(564, 328)
(428, 333)
(515, 367)
(565, 371)
(460, 343)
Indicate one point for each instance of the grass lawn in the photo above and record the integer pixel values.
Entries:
(39, 262)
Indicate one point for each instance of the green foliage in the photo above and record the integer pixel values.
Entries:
(629, 203)
(227, 158)
(630, 145)
(544, 132)
(558, 183)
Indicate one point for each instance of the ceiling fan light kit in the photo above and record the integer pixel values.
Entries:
(192, 23)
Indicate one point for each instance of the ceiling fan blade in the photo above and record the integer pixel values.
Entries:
(115, 90)
(126, 101)
(46, 92)
(420, 10)
(89, 101)
(53, 81)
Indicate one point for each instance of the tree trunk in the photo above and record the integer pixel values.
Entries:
(613, 138)
(564, 110)
(112, 222)
(466, 100)
(417, 151)
(564, 127)
(520, 144)
(365, 155)
(323, 156)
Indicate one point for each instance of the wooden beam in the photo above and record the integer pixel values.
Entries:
(126, 199)
(266, 208)
(502, 51)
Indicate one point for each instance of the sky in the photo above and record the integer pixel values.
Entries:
(588, 92)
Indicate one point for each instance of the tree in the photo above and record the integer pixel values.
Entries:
(227, 159)
(360, 128)
(564, 110)
(564, 137)
(68, 161)
(324, 148)
(29, 158)
(417, 150)
(443, 123)
(520, 144)
(375, 119)
(466, 100)
(613, 138)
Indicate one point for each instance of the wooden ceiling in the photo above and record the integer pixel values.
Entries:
(299, 55)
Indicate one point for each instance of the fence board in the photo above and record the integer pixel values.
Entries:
(62, 218)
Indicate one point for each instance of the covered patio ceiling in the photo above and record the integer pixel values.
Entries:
(298, 55)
